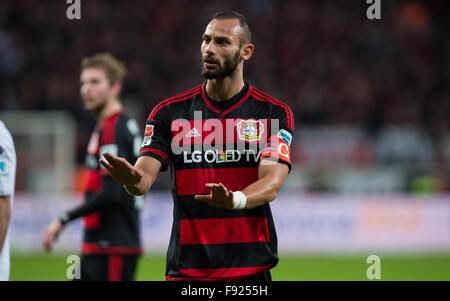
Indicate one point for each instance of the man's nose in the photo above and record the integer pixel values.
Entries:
(210, 48)
(85, 89)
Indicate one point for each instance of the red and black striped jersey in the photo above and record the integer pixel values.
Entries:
(205, 141)
(110, 214)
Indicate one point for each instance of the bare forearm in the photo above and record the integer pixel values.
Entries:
(149, 176)
(261, 192)
(136, 179)
(271, 178)
(140, 188)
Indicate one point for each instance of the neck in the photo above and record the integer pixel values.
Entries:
(222, 89)
(111, 107)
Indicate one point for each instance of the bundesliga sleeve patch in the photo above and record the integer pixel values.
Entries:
(278, 146)
(149, 130)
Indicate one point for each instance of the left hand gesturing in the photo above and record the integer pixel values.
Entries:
(220, 196)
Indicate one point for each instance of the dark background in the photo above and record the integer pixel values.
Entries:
(333, 66)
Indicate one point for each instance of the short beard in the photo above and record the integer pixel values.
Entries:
(229, 67)
(97, 108)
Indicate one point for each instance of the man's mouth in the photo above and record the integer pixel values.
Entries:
(88, 100)
(210, 63)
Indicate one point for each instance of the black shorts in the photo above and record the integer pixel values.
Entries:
(260, 277)
(108, 267)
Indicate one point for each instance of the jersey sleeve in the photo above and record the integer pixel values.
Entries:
(157, 137)
(95, 201)
(125, 144)
(278, 145)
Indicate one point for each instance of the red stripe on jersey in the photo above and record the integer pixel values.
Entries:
(93, 180)
(170, 100)
(115, 265)
(109, 129)
(92, 248)
(156, 151)
(91, 221)
(223, 230)
(219, 274)
(192, 181)
(277, 103)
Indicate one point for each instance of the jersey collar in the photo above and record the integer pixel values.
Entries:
(225, 111)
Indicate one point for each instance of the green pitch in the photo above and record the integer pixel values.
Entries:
(291, 267)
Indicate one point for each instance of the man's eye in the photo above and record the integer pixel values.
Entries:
(222, 42)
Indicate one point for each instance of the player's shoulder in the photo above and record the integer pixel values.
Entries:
(117, 128)
(5, 134)
(270, 100)
(3, 129)
(124, 118)
(181, 97)
(129, 123)
(263, 96)
(278, 108)
(187, 94)
(7, 150)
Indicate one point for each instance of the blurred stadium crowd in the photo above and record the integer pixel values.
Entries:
(371, 98)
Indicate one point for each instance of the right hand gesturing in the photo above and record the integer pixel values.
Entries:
(121, 170)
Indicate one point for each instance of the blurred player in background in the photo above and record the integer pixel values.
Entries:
(223, 227)
(111, 244)
(7, 180)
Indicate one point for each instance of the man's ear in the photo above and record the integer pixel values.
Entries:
(116, 89)
(247, 51)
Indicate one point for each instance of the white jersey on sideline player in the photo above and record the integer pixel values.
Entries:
(7, 180)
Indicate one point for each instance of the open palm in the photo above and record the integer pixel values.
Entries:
(121, 170)
(220, 196)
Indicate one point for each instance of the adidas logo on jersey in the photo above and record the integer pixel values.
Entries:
(193, 133)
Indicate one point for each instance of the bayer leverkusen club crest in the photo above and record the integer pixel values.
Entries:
(250, 130)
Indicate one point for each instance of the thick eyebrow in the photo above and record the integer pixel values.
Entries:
(226, 39)
(220, 38)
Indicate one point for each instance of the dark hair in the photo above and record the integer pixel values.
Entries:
(231, 14)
